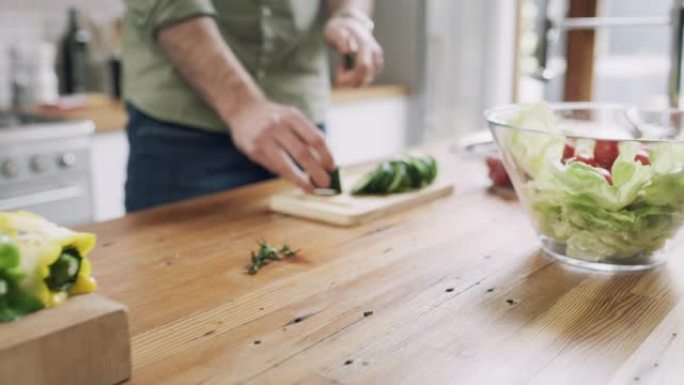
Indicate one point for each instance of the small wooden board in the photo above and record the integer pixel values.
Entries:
(83, 342)
(349, 210)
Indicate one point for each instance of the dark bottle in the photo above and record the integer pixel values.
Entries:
(75, 57)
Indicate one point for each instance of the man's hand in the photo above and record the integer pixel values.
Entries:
(348, 36)
(272, 135)
(267, 133)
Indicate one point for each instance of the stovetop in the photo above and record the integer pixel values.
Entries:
(17, 119)
(22, 127)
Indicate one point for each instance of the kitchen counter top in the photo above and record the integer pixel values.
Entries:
(455, 291)
(110, 116)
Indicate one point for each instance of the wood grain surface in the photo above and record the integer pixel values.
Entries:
(83, 342)
(452, 292)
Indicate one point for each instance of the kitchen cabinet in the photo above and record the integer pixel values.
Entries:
(366, 128)
(361, 125)
(109, 155)
(455, 291)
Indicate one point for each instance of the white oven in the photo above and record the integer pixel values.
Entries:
(45, 167)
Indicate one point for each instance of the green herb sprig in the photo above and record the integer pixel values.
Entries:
(266, 254)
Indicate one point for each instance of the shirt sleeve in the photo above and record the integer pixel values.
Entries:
(151, 15)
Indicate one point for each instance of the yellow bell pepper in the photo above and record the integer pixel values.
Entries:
(53, 258)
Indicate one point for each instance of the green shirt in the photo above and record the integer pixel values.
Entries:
(279, 42)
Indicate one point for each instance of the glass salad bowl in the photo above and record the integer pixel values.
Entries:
(603, 184)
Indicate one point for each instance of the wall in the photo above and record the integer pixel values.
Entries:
(22, 20)
(27, 21)
(469, 63)
(400, 29)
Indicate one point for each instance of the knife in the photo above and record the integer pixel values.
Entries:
(348, 61)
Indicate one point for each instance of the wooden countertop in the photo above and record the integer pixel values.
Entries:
(456, 291)
(346, 95)
(110, 116)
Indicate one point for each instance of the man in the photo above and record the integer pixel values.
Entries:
(225, 93)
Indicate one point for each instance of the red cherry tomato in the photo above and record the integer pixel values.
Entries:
(643, 158)
(605, 153)
(497, 172)
(568, 152)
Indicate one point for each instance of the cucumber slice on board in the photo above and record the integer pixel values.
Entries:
(415, 173)
(374, 183)
(362, 185)
(425, 166)
(385, 177)
(335, 181)
(335, 185)
(398, 175)
(433, 169)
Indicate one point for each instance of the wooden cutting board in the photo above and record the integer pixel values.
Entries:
(83, 342)
(348, 210)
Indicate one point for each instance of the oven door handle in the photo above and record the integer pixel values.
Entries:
(43, 197)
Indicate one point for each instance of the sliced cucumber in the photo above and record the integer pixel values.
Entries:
(374, 182)
(398, 175)
(424, 168)
(335, 185)
(433, 169)
(414, 170)
(335, 181)
(385, 178)
(361, 186)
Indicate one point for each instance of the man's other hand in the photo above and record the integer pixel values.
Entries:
(348, 36)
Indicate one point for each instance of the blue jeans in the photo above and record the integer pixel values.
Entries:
(170, 162)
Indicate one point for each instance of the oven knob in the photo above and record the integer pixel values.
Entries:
(67, 160)
(8, 169)
(38, 164)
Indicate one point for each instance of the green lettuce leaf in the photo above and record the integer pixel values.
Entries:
(532, 150)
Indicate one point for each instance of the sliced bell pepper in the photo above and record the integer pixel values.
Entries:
(53, 258)
(14, 302)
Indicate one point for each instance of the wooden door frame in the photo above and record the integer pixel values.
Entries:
(580, 52)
